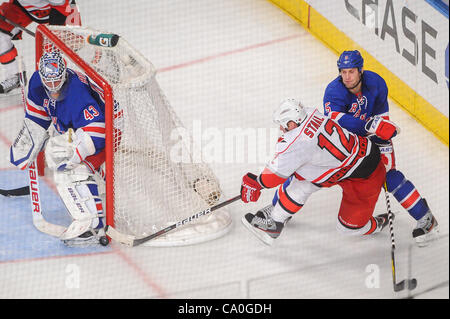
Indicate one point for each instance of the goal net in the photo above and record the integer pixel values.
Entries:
(151, 179)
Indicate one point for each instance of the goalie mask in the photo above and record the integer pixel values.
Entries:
(289, 110)
(52, 70)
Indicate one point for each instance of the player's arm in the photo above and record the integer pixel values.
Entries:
(276, 172)
(335, 108)
(251, 184)
(62, 10)
(382, 110)
(379, 123)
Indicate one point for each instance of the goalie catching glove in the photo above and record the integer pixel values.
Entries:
(66, 151)
(250, 188)
(382, 128)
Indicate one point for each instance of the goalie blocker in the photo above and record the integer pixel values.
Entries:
(29, 142)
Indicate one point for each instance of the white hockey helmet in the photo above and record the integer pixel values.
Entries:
(289, 110)
(52, 70)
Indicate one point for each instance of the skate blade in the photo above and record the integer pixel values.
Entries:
(425, 240)
(260, 234)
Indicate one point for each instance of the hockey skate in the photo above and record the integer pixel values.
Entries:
(382, 221)
(91, 237)
(262, 225)
(427, 230)
(10, 84)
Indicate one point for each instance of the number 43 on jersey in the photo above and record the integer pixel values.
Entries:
(90, 113)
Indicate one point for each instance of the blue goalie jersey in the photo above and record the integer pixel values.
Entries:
(82, 107)
(353, 110)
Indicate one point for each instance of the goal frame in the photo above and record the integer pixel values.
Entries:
(41, 32)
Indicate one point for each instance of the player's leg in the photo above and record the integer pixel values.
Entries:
(269, 221)
(408, 196)
(8, 51)
(358, 203)
(78, 188)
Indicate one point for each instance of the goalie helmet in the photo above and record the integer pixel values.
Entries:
(350, 60)
(52, 70)
(289, 110)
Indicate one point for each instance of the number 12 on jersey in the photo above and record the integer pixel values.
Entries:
(340, 148)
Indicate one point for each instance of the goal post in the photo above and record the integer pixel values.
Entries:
(145, 190)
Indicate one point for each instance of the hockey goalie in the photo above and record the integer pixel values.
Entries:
(66, 100)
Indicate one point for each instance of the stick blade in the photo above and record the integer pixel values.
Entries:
(22, 191)
(399, 286)
(410, 284)
(51, 229)
(118, 236)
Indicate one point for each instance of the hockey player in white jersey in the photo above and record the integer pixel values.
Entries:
(70, 103)
(314, 152)
(23, 13)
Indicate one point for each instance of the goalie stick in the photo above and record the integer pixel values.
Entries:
(36, 208)
(21, 191)
(134, 241)
(410, 283)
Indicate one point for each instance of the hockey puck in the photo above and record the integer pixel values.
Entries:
(104, 241)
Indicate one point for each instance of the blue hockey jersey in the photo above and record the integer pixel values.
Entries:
(82, 107)
(352, 111)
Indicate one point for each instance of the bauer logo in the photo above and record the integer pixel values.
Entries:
(189, 219)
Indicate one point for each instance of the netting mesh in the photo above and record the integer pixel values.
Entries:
(154, 186)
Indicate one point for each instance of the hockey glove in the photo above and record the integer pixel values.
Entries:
(382, 128)
(250, 188)
(387, 152)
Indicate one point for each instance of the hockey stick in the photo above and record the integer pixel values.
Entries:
(21, 191)
(410, 283)
(134, 241)
(17, 25)
(36, 208)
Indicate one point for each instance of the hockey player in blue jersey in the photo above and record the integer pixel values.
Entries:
(358, 100)
(66, 101)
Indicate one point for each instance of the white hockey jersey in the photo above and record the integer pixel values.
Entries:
(322, 152)
(39, 9)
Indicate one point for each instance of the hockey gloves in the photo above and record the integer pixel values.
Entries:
(382, 128)
(386, 150)
(250, 188)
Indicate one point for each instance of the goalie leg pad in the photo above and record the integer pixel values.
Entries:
(79, 193)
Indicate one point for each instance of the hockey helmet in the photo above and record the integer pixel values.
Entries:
(52, 70)
(349, 60)
(289, 110)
